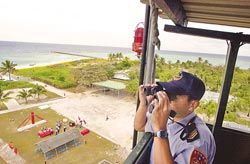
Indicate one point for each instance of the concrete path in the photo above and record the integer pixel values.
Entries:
(12, 104)
(27, 106)
(110, 117)
(50, 88)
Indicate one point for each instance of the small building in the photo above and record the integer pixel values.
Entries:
(111, 85)
(59, 143)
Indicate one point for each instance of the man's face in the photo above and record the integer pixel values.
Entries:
(181, 105)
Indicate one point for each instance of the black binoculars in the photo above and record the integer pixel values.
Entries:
(152, 90)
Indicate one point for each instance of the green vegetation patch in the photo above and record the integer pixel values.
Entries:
(57, 75)
(6, 85)
(31, 100)
(88, 71)
(95, 149)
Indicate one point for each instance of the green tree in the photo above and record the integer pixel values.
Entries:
(132, 86)
(110, 57)
(38, 90)
(89, 74)
(7, 67)
(4, 97)
(162, 61)
(24, 94)
(230, 116)
(209, 108)
(200, 60)
(126, 63)
(119, 56)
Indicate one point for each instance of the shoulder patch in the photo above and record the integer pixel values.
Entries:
(198, 157)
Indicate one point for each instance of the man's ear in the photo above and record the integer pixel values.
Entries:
(193, 105)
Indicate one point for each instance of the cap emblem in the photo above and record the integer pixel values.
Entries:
(178, 77)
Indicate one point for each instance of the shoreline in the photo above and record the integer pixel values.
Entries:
(48, 64)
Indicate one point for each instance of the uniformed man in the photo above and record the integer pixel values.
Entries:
(184, 138)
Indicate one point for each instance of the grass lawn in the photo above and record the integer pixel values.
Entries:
(6, 85)
(95, 150)
(58, 75)
(31, 100)
(2, 161)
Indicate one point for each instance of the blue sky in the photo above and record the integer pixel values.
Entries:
(95, 22)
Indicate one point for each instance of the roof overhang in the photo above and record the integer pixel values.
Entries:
(220, 12)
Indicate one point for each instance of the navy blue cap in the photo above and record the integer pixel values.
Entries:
(186, 84)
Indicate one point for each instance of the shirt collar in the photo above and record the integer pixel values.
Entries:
(174, 127)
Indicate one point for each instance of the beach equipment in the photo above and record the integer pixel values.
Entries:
(85, 131)
(138, 39)
(46, 132)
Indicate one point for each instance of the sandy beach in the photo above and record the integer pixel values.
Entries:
(47, 64)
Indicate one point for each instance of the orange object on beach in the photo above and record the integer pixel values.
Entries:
(45, 133)
(85, 131)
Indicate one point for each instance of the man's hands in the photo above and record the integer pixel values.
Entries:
(144, 98)
(140, 116)
(161, 112)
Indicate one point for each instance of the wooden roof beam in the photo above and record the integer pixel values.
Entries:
(208, 33)
(242, 3)
(219, 17)
(220, 22)
(174, 11)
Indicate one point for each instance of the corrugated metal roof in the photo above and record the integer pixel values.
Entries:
(58, 140)
(220, 12)
(111, 84)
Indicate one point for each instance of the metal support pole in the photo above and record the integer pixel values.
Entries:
(143, 62)
(149, 79)
(232, 52)
(150, 53)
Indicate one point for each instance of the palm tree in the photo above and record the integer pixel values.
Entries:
(38, 90)
(25, 94)
(119, 56)
(110, 56)
(7, 67)
(200, 60)
(162, 61)
(4, 96)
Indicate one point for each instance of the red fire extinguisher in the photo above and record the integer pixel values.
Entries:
(138, 39)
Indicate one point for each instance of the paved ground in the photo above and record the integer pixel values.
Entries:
(109, 116)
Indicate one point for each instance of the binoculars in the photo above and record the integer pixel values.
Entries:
(152, 90)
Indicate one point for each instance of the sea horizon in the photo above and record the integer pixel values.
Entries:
(26, 54)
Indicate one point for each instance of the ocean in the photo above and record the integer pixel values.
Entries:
(31, 54)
